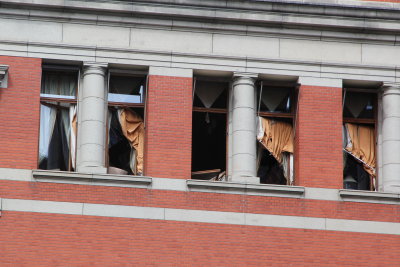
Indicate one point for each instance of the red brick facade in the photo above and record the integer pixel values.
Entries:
(42, 239)
(318, 140)
(30, 239)
(19, 113)
(168, 127)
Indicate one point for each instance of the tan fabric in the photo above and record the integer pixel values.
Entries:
(363, 145)
(133, 129)
(278, 137)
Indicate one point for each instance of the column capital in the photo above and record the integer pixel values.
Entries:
(244, 78)
(245, 75)
(94, 68)
(390, 89)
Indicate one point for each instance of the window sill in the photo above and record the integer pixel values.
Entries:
(246, 189)
(369, 197)
(91, 179)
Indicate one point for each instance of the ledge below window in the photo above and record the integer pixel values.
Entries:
(369, 196)
(91, 179)
(247, 189)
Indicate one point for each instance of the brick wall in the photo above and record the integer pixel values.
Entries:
(31, 239)
(168, 127)
(19, 113)
(318, 141)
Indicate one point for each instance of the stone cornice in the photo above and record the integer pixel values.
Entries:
(254, 15)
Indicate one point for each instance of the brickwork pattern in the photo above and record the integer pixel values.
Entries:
(199, 201)
(168, 127)
(20, 112)
(30, 239)
(318, 141)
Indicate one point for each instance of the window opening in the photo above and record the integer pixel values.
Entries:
(126, 104)
(275, 134)
(57, 139)
(359, 139)
(209, 129)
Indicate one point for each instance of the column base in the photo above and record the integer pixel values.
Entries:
(92, 169)
(246, 179)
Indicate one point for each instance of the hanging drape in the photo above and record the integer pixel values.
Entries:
(361, 145)
(73, 129)
(47, 122)
(133, 129)
(277, 137)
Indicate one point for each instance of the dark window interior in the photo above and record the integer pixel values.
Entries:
(209, 141)
(127, 88)
(355, 177)
(359, 105)
(58, 153)
(275, 99)
(270, 171)
(119, 149)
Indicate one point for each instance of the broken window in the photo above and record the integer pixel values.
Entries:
(57, 139)
(275, 133)
(359, 149)
(126, 104)
(209, 129)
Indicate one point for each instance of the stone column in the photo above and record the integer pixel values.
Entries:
(244, 129)
(391, 138)
(92, 103)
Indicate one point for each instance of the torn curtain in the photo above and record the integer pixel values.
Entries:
(133, 129)
(361, 145)
(277, 137)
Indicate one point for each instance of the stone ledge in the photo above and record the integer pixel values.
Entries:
(91, 179)
(369, 197)
(246, 188)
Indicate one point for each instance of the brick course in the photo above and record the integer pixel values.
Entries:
(20, 112)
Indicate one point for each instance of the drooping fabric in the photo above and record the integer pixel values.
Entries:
(47, 121)
(209, 92)
(361, 145)
(277, 137)
(133, 129)
(73, 129)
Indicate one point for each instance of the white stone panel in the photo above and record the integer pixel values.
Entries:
(320, 51)
(32, 31)
(41, 206)
(380, 54)
(238, 45)
(123, 211)
(96, 35)
(175, 41)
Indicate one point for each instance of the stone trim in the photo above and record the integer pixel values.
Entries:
(3, 76)
(91, 179)
(200, 216)
(369, 197)
(246, 188)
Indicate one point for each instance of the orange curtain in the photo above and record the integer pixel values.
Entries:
(277, 138)
(133, 129)
(362, 145)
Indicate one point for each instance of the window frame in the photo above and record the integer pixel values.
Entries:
(44, 99)
(130, 73)
(292, 115)
(364, 121)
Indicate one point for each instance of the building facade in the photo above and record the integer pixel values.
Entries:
(189, 132)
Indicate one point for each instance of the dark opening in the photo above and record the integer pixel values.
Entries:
(119, 149)
(355, 177)
(209, 141)
(270, 171)
(58, 153)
